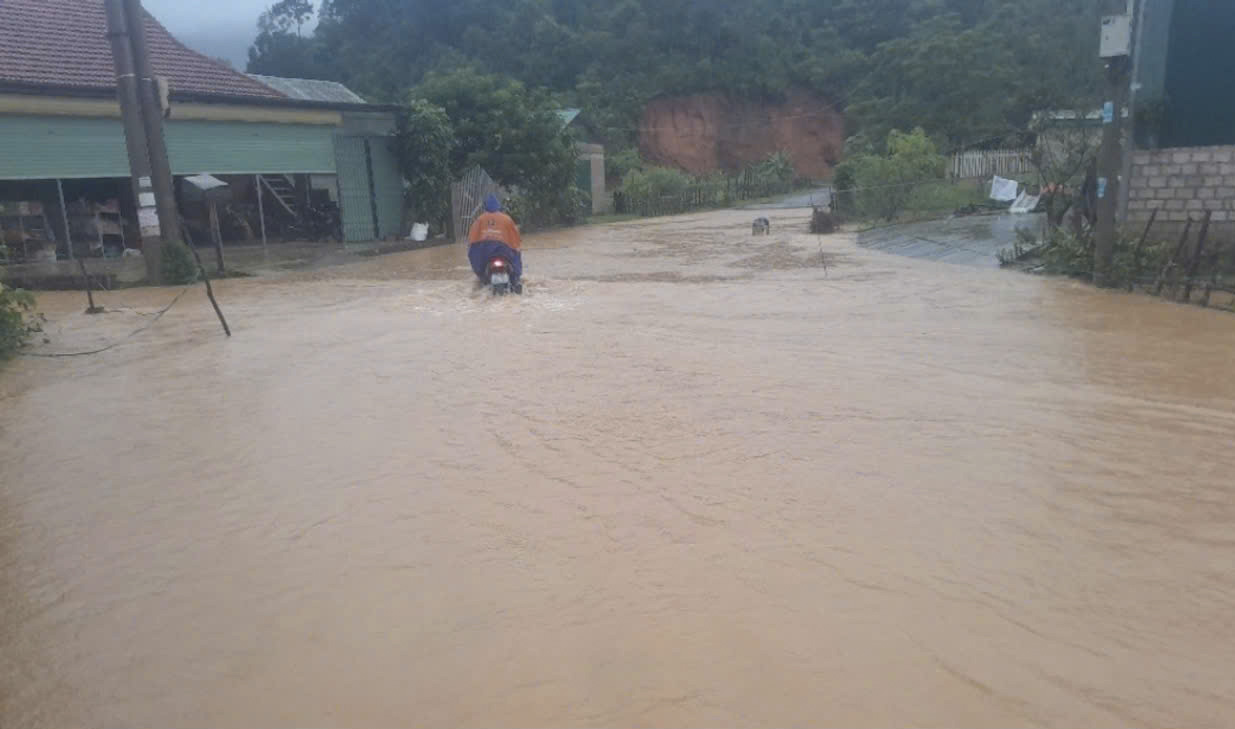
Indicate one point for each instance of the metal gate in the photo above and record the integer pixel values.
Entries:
(467, 197)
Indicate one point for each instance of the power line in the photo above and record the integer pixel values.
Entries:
(154, 320)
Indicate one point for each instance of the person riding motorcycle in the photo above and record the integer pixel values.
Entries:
(495, 235)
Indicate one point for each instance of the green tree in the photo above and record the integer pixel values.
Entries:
(280, 48)
(886, 182)
(942, 77)
(965, 70)
(286, 14)
(426, 143)
(277, 53)
(511, 131)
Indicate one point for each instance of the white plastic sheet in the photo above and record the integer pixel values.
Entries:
(1004, 190)
(1025, 204)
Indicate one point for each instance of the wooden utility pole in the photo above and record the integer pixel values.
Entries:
(168, 220)
(134, 133)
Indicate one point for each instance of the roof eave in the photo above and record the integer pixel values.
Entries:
(87, 92)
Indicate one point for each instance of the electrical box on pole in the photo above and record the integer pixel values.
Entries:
(1116, 36)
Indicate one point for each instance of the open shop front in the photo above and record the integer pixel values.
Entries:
(66, 194)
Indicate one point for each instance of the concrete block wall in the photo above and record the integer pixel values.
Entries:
(1183, 184)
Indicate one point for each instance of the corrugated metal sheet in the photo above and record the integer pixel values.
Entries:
(240, 148)
(388, 184)
(568, 116)
(34, 147)
(305, 89)
(355, 201)
(370, 188)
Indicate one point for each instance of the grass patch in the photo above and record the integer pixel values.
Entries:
(943, 197)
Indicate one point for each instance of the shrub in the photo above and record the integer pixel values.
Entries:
(516, 206)
(885, 183)
(618, 165)
(654, 183)
(178, 265)
(775, 173)
(822, 222)
(1064, 253)
(532, 211)
(657, 191)
(17, 319)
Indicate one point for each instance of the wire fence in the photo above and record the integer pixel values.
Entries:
(705, 194)
(913, 200)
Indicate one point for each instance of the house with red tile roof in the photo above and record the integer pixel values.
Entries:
(284, 144)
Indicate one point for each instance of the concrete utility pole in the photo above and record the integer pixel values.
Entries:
(1110, 169)
(134, 132)
(152, 114)
(143, 122)
(1116, 49)
(1137, 11)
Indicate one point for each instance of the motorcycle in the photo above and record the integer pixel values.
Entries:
(498, 277)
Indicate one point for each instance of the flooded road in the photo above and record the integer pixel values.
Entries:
(692, 479)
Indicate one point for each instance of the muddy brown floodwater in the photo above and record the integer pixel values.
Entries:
(691, 479)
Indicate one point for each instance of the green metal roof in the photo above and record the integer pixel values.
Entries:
(568, 116)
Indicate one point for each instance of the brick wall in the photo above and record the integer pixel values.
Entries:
(1183, 184)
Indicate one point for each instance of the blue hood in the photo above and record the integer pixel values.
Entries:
(492, 205)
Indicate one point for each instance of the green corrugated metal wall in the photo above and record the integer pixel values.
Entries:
(33, 147)
(389, 183)
(354, 201)
(238, 148)
(370, 188)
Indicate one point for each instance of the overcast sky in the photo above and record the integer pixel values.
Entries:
(218, 28)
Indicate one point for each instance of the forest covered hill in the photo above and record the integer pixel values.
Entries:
(967, 71)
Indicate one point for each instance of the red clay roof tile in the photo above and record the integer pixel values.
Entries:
(62, 43)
